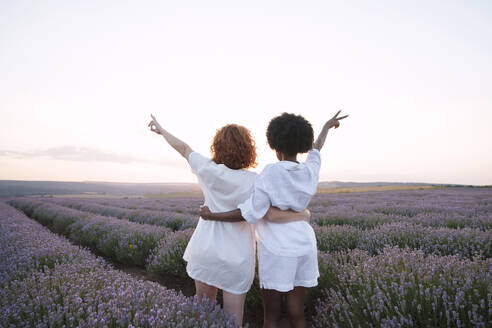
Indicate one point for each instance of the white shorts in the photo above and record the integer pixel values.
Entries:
(283, 273)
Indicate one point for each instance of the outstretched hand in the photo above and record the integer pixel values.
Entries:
(154, 125)
(335, 120)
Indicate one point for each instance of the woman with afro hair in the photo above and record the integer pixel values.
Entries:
(287, 253)
(221, 255)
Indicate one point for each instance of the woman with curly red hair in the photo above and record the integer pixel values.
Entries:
(234, 147)
(221, 255)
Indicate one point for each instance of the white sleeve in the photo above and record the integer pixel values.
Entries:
(257, 205)
(313, 160)
(198, 161)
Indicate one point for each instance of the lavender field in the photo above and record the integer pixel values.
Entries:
(413, 258)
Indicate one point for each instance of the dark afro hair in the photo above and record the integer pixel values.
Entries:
(290, 134)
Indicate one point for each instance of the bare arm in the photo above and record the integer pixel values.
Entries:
(231, 216)
(333, 122)
(180, 146)
(273, 215)
(276, 215)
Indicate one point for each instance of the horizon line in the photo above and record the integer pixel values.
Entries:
(196, 183)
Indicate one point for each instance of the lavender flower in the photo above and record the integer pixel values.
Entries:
(76, 288)
(404, 288)
(443, 241)
(107, 235)
(174, 218)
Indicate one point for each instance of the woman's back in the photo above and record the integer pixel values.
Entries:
(222, 254)
(223, 188)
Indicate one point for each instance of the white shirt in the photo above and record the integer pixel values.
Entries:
(222, 254)
(286, 185)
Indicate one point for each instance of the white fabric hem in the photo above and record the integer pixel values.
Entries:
(278, 287)
(215, 283)
(283, 288)
(306, 283)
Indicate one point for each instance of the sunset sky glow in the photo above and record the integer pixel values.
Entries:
(79, 80)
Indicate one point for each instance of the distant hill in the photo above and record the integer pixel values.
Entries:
(10, 188)
(339, 184)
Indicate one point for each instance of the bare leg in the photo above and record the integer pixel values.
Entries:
(234, 305)
(271, 307)
(204, 290)
(295, 307)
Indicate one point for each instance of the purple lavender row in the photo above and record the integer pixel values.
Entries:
(170, 219)
(167, 257)
(466, 242)
(157, 248)
(48, 282)
(446, 207)
(124, 241)
(186, 205)
(26, 246)
(403, 288)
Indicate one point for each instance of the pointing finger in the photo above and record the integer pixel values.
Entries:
(341, 118)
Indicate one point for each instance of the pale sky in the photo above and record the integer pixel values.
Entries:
(79, 79)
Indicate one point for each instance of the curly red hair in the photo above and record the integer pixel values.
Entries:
(234, 147)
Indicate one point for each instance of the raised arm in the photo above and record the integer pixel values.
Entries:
(276, 215)
(180, 146)
(333, 122)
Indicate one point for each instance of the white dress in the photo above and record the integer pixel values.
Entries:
(222, 254)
